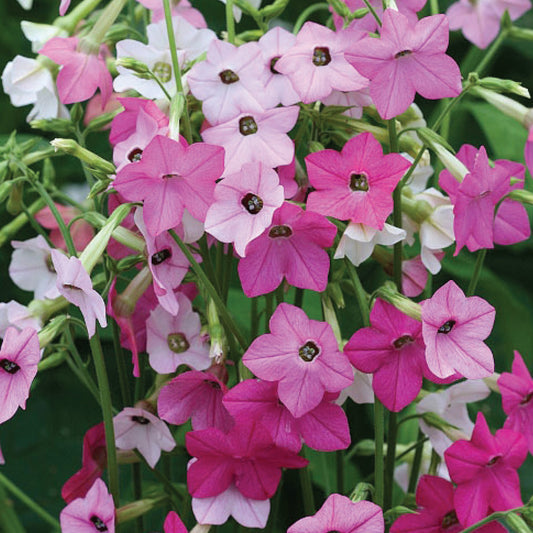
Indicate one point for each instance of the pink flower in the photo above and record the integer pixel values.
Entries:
(292, 247)
(302, 357)
(255, 136)
(485, 472)
(408, 58)
(183, 9)
(454, 327)
(244, 205)
(246, 456)
(95, 512)
(517, 392)
(356, 100)
(195, 395)
(75, 285)
(392, 350)
(316, 64)
(19, 356)
(528, 151)
(64, 6)
(137, 428)
(339, 513)
(324, 428)
(91, 68)
(170, 178)
(356, 184)
(229, 81)
(475, 199)
(173, 524)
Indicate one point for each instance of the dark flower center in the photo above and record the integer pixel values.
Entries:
(178, 342)
(449, 520)
(494, 460)
(280, 231)
(69, 286)
(163, 72)
(527, 398)
(321, 56)
(252, 203)
(308, 351)
(273, 62)
(247, 125)
(50, 265)
(447, 327)
(214, 384)
(9, 366)
(400, 342)
(170, 176)
(359, 182)
(135, 155)
(161, 256)
(140, 420)
(98, 523)
(228, 77)
(403, 53)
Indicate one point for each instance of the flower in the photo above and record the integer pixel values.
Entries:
(454, 327)
(339, 513)
(485, 472)
(293, 247)
(95, 511)
(356, 184)
(19, 356)
(137, 428)
(74, 283)
(517, 392)
(244, 205)
(173, 524)
(20, 317)
(408, 58)
(302, 357)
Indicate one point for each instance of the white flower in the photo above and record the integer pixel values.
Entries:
(360, 391)
(18, 316)
(40, 34)
(237, 12)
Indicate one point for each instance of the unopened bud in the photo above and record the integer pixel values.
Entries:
(94, 161)
(5, 189)
(14, 202)
(59, 126)
(274, 10)
(504, 86)
(53, 360)
(177, 106)
(389, 293)
(315, 146)
(506, 105)
(138, 508)
(361, 492)
(133, 64)
(516, 523)
(340, 8)
(51, 330)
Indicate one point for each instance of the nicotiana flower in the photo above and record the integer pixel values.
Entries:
(195, 395)
(244, 205)
(173, 524)
(357, 183)
(408, 58)
(302, 357)
(485, 472)
(19, 356)
(182, 9)
(454, 327)
(94, 512)
(137, 428)
(38, 34)
(293, 247)
(13, 314)
(339, 513)
(31, 267)
(76, 286)
(451, 405)
(355, 100)
(175, 340)
(360, 391)
(517, 395)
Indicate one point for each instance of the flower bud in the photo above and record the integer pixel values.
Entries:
(506, 105)
(361, 492)
(51, 330)
(137, 508)
(177, 106)
(274, 10)
(389, 293)
(94, 161)
(135, 65)
(14, 202)
(340, 8)
(59, 126)
(516, 523)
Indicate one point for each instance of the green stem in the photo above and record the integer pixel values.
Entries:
(379, 430)
(417, 462)
(307, 491)
(373, 11)
(434, 7)
(9, 521)
(227, 272)
(254, 319)
(176, 67)
(360, 293)
(411, 448)
(477, 272)
(397, 211)
(489, 56)
(107, 413)
(339, 459)
(390, 460)
(11, 229)
(299, 298)
(224, 314)
(230, 21)
(269, 308)
(491, 518)
(121, 367)
(28, 502)
(306, 13)
(206, 256)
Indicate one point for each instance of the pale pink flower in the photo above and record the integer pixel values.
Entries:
(181, 9)
(355, 100)
(13, 314)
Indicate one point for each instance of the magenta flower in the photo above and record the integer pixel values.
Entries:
(19, 356)
(137, 428)
(173, 524)
(517, 394)
(170, 178)
(485, 472)
(302, 357)
(293, 247)
(255, 136)
(528, 151)
(198, 396)
(454, 327)
(244, 205)
(356, 184)
(91, 68)
(392, 349)
(64, 6)
(316, 64)
(325, 428)
(408, 58)
(476, 225)
(339, 513)
(76, 286)
(246, 456)
(95, 512)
